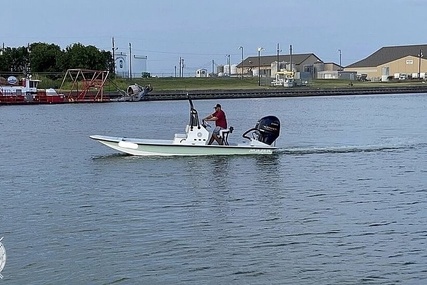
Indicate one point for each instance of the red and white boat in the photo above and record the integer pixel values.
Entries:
(14, 91)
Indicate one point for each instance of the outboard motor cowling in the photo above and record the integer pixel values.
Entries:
(268, 128)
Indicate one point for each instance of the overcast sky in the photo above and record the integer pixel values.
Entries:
(204, 30)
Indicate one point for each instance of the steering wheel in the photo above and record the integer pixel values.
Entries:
(205, 124)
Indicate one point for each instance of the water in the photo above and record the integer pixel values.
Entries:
(343, 202)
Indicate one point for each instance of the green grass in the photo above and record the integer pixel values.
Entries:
(166, 84)
(218, 83)
(171, 83)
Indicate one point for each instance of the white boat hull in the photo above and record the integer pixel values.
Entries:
(195, 140)
(148, 147)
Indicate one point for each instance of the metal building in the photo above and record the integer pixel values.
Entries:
(393, 62)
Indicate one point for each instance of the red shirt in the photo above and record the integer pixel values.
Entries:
(221, 119)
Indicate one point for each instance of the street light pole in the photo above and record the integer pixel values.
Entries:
(229, 64)
(259, 65)
(241, 65)
(340, 58)
(419, 63)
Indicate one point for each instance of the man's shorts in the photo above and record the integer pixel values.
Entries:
(216, 130)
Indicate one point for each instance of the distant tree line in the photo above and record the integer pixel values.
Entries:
(49, 58)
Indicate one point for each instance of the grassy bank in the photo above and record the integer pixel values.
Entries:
(165, 84)
(172, 83)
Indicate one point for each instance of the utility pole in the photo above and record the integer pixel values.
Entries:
(179, 67)
(130, 61)
(114, 55)
(278, 55)
(419, 63)
(28, 71)
(290, 56)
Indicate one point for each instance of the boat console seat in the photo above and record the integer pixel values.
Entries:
(224, 134)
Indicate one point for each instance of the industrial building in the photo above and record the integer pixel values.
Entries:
(387, 63)
(304, 66)
(267, 66)
(393, 62)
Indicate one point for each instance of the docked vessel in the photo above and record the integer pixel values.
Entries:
(135, 92)
(194, 142)
(78, 86)
(14, 91)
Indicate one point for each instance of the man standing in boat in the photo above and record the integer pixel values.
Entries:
(220, 123)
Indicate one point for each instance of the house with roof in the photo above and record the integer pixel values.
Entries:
(268, 66)
(393, 62)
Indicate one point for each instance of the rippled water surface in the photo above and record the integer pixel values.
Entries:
(343, 202)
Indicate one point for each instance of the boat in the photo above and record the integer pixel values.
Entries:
(259, 140)
(134, 93)
(25, 91)
(87, 86)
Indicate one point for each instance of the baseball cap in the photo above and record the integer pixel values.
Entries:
(217, 106)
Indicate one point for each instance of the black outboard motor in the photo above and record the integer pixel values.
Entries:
(267, 130)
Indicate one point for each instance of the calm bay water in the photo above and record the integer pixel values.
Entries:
(343, 202)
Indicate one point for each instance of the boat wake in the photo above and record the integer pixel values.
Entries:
(303, 150)
(349, 149)
(110, 156)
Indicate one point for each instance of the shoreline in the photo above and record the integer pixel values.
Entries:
(111, 97)
(283, 92)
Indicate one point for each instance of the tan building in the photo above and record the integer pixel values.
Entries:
(395, 62)
(268, 65)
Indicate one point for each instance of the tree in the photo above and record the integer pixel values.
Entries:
(14, 60)
(85, 57)
(43, 57)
